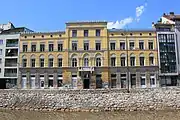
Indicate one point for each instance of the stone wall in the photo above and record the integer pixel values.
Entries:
(91, 100)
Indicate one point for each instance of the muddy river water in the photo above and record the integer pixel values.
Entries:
(32, 115)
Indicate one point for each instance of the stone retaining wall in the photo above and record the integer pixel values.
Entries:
(91, 100)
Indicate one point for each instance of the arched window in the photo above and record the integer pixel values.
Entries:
(98, 61)
(74, 61)
(113, 60)
(86, 60)
(41, 60)
(60, 61)
(132, 60)
(151, 59)
(141, 59)
(50, 61)
(24, 61)
(123, 59)
(33, 61)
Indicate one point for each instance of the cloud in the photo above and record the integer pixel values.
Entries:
(120, 24)
(139, 11)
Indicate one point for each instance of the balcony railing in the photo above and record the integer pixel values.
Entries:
(86, 68)
(12, 44)
(10, 64)
(10, 75)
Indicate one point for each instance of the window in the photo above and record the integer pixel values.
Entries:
(113, 46)
(74, 33)
(60, 47)
(74, 62)
(122, 45)
(25, 36)
(132, 61)
(33, 48)
(98, 46)
(0, 51)
(25, 47)
(24, 62)
(33, 36)
(0, 61)
(152, 80)
(42, 47)
(150, 34)
(50, 62)
(86, 62)
(50, 81)
(150, 45)
(98, 32)
(140, 34)
(113, 61)
(123, 80)
(98, 81)
(141, 45)
(51, 35)
(51, 47)
(59, 62)
(131, 34)
(0, 70)
(131, 45)
(98, 62)
(86, 33)
(74, 46)
(133, 80)
(41, 62)
(143, 80)
(1, 42)
(86, 46)
(123, 61)
(141, 61)
(113, 80)
(151, 60)
(60, 80)
(33, 62)
(42, 36)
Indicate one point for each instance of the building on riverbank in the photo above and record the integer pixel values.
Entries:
(9, 54)
(88, 55)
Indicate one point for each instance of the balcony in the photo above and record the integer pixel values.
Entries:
(11, 52)
(86, 69)
(10, 72)
(12, 43)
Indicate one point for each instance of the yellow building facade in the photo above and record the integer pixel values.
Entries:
(87, 55)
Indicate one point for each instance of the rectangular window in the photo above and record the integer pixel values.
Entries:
(132, 61)
(143, 80)
(24, 62)
(123, 61)
(98, 46)
(74, 46)
(86, 33)
(150, 45)
(60, 47)
(141, 61)
(1, 42)
(113, 61)
(0, 70)
(98, 32)
(74, 33)
(74, 62)
(50, 62)
(41, 62)
(42, 47)
(60, 80)
(141, 45)
(51, 47)
(131, 45)
(59, 62)
(33, 62)
(86, 46)
(50, 81)
(0, 61)
(113, 46)
(122, 46)
(98, 62)
(25, 47)
(33, 48)
(151, 60)
(0, 51)
(123, 80)
(113, 80)
(133, 80)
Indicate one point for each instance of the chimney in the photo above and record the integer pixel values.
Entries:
(171, 13)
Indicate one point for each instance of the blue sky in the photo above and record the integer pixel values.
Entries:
(51, 15)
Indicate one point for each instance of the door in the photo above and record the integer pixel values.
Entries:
(24, 82)
(86, 81)
(33, 82)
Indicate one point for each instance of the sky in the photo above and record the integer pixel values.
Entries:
(51, 15)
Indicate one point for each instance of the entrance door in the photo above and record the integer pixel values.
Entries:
(24, 81)
(86, 82)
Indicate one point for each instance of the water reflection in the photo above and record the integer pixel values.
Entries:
(31, 115)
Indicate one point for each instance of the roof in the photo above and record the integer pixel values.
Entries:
(131, 30)
(35, 33)
(16, 30)
(86, 22)
(172, 16)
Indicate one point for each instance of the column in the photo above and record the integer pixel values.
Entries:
(138, 80)
(157, 79)
(46, 80)
(19, 80)
(55, 80)
(28, 86)
(129, 78)
(148, 80)
(93, 81)
(79, 81)
(118, 80)
(37, 82)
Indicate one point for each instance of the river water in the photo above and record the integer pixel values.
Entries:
(31, 115)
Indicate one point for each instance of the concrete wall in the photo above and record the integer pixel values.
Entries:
(91, 100)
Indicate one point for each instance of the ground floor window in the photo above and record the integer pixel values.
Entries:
(143, 80)
(152, 80)
(74, 81)
(42, 81)
(50, 81)
(33, 78)
(123, 80)
(24, 81)
(133, 80)
(60, 80)
(113, 80)
(98, 81)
